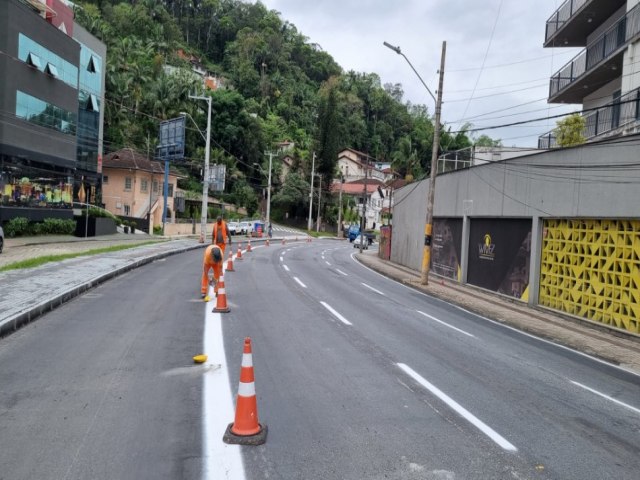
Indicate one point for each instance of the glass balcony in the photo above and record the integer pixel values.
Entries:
(575, 20)
(609, 118)
(599, 63)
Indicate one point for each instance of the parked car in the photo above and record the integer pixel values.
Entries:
(367, 241)
(1, 239)
(234, 227)
(246, 228)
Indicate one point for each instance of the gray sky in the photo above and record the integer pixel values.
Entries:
(504, 35)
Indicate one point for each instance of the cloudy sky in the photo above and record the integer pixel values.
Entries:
(494, 61)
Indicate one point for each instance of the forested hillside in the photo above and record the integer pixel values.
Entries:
(277, 85)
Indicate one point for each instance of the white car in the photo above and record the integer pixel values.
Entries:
(358, 240)
(246, 228)
(234, 228)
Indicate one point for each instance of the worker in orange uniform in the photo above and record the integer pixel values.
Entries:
(213, 258)
(220, 235)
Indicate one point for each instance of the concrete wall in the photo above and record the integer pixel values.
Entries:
(589, 181)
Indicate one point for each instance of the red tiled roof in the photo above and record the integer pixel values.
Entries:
(127, 159)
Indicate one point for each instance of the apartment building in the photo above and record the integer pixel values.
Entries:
(51, 91)
(604, 77)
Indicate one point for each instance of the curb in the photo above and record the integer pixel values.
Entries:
(12, 324)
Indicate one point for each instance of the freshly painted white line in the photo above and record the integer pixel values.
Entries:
(341, 272)
(286, 268)
(336, 314)
(373, 289)
(281, 259)
(445, 324)
(611, 399)
(466, 414)
(220, 460)
(327, 263)
(498, 324)
(298, 280)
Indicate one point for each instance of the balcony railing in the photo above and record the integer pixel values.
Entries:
(621, 113)
(562, 15)
(602, 48)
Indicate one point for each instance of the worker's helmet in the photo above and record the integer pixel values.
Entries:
(216, 253)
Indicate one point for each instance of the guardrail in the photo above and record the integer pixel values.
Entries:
(562, 15)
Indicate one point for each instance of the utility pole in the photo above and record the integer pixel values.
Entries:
(363, 223)
(340, 232)
(205, 180)
(269, 192)
(428, 228)
(310, 222)
(319, 198)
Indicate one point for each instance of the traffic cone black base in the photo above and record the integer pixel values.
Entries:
(257, 439)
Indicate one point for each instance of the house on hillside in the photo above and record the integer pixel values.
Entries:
(133, 186)
(603, 77)
(353, 165)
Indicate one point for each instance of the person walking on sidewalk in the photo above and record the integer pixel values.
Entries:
(220, 235)
(213, 257)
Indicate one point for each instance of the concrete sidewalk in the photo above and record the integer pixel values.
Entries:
(28, 293)
(585, 336)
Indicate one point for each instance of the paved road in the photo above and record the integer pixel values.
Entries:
(360, 386)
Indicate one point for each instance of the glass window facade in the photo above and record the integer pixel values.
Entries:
(33, 186)
(90, 100)
(41, 113)
(68, 72)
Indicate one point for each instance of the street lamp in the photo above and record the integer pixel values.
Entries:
(268, 218)
(205, 181)
(428, 228)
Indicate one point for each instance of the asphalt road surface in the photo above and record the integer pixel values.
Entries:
(357, 377)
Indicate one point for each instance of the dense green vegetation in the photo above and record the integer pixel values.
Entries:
(277, 86)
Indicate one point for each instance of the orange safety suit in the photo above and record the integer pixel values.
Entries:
(208, 263)
(220, 235)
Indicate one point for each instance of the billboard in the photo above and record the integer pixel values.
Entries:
(171, 139)
(445, 249)
(499, 255)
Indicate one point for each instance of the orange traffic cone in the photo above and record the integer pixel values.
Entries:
(284, 241)
(249, 246)
(221, 298)
(239, 254)
(230, 263)
(246, 429)
(267, 242)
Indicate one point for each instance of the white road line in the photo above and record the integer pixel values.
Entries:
(445, 324)
(336, 314)
(281, 259)
(373, 289)
(220, 460)
(611, 399)
(327, 263)
(466, 414)
(298, 280)
(286, 268)
(341, 272)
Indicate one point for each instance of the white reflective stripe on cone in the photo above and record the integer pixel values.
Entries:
(247, 389)
(247, 360)
(221, 291)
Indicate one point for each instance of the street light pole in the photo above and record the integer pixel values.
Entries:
(205, 181)
(319, 202)
(428, 228)
(269, 192)
(310, 222)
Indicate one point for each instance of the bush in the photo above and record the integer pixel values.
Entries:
(17, 226)
(157, 230)
(57, 226)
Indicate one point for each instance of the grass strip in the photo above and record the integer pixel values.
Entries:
(37, 261)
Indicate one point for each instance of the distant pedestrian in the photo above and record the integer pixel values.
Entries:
(213, 258)
(220, 235)
(270, 231)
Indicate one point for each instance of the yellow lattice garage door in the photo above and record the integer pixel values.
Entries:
(591, 268)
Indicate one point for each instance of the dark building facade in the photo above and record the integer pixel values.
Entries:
(51, 86)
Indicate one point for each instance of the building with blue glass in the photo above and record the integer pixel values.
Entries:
(51, 91)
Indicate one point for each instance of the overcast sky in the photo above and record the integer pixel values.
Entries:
(505, 36)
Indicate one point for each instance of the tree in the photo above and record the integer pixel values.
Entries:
(487, 141)
(570, 130)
